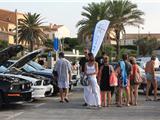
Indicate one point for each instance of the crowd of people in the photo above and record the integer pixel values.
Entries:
(126, 72)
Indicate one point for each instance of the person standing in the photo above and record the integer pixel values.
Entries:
(133, 85)
(82, 63)
(100, 60)
(123, 70)
(150, 75)
(103, 78)
(63, 68)
(91, 71)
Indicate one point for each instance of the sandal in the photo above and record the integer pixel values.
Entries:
(66, 100)
(119, 105)
(61, 101)
(155, 99)
(127, 105)
(148, 99)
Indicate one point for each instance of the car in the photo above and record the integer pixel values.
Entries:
(75, 73)
(143, 60)
(13, 89)
(28, 70)
(39, 90)
(40, 87)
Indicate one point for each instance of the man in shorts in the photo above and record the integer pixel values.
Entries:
(63, 68)
(150, 75)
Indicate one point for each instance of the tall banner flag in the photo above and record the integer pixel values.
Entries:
(55, 44)
(98, 36)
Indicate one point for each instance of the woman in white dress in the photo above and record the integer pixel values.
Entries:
(91, 70)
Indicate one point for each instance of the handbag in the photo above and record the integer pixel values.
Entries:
(137, 78)
(113, 79)
(84, 80)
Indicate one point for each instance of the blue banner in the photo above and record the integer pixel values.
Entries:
(55, 44)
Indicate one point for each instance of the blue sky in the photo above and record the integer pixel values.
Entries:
(68, 12)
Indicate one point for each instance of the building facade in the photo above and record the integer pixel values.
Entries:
(54, 30)
(130, 39)
(8, 24)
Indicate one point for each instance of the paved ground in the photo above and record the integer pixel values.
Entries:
(50, 109)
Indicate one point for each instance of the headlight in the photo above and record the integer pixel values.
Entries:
(23, 86)
(11, 87)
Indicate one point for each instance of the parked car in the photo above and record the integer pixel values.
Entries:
(143, 60)
(40, 88)
(28, 70)
(13, 89)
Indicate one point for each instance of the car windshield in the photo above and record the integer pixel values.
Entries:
(36, 65)
(28, 68)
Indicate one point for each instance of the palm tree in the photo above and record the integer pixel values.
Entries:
(29, 30)
(92, 14)
(121, 13)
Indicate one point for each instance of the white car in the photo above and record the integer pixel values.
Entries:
(143, 60)
(40, 88)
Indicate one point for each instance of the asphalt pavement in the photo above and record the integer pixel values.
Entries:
(49, 108)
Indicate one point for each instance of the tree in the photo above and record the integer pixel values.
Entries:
(147, 45)
(92, 14)
(3, 44)
(49, 43)
(29, 30)
(119, 12)
(70, 43)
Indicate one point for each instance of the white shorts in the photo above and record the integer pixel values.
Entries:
(63, 84)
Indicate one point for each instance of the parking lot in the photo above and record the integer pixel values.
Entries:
(49, 108)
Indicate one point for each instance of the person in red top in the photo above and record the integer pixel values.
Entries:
(133, 85)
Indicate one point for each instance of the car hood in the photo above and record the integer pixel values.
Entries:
(9, 52)
(25, 59)
(49, 71)
(30, 79)
(41, 72)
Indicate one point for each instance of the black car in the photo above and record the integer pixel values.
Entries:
(13, 89)
(28, 70)
(22, 64)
